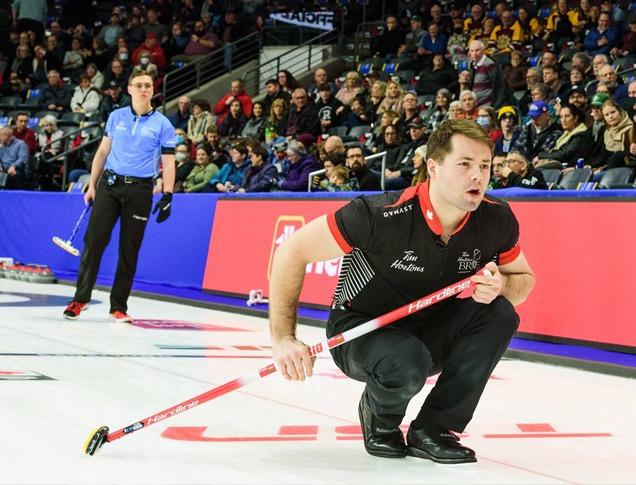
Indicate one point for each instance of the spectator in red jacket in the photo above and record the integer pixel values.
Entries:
(156, 52)
(237, 91)
(24, 133)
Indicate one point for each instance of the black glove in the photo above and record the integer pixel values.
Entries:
(163, 206)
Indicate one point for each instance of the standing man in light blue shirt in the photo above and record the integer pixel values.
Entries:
(135, 139)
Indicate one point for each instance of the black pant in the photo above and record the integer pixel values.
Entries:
(132, 202)
(464, 340)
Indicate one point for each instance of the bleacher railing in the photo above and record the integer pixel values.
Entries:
(301, 58)
(193, 75)
(375, 156)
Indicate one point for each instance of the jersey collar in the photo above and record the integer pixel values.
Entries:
(148, 113)
(433, 222)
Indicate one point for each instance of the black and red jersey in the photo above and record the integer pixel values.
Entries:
(395, 253)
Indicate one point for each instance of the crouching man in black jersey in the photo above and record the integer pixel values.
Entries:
(399, 246)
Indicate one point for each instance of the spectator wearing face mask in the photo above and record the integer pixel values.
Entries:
(151, 49)
(146, 66)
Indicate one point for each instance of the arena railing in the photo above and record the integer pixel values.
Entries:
(194, 74)
(301, 58)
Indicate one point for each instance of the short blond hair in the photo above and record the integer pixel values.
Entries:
(440, 142)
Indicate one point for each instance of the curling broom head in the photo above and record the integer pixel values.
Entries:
(66, 246)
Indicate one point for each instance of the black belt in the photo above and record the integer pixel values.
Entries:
(112, 177)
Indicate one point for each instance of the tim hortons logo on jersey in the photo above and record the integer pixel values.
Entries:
(467, 263)
(407, 263)
(400, 210)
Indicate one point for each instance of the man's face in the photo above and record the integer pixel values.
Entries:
(548, 59)
(410, 102)
(577, 99)
(54, 78)
(199, 28)
(237, 157)
(5, 136)
(272, 89)
(299, 99)
(433, 30)
(475, 51)
(325, 95)
(184, 104)
(603, 21)
(21, 122)
(631, 89)
(476, 11)
(235, 88)
(541, 121)
(141, 88)
(436, 12)
(417, 132)
(213, 138)
(597, 63)
(320, 76)
(516, 164)
(507, 18)
(607, 74)
(355, 159)
(498, 163)
(549, 76)
(460, 180)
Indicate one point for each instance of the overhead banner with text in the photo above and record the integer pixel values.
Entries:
(313, 20)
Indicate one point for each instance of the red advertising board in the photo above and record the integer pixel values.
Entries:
(245, 235)
(581, 252)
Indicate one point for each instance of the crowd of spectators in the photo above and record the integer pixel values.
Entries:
(551, 83)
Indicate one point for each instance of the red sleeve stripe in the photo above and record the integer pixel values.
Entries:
(337, 235)
(510, 255)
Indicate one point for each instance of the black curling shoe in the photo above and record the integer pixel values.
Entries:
(435, 443)
(379, 440)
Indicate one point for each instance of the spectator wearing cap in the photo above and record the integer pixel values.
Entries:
(114, 98)
(440, 75)
(153, 26)
(320, 78)
(487, 80)
(237, 93)
(507, 117)
(602, 38)
(301, 165)
(181, 116)
(576, 96)
(388, 43)
(518, 172)
(572, 144)
(413, 38)
(596, 132)
(150, 45)
(274, 92)
(538, 135)
(302, 116)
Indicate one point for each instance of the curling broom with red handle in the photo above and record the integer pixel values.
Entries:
(461, 289)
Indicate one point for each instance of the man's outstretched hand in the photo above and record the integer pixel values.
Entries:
(163, 206)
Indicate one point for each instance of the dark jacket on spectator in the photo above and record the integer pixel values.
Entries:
(431, 81)
(259, 179)
(296, 179)
(533, 179)
(268, 100)
(232, 127)
(304, 121)
(530, 143)
(577, 146)
(60, 95)
(367, 179)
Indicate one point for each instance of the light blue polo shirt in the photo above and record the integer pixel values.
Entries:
(137, 142)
